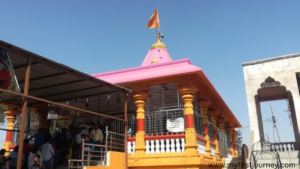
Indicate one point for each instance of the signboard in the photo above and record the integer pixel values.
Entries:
(176, 125)
(52, 115)
(8, 79)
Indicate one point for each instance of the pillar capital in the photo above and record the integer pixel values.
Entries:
(214, 115)
(205, 103)
(140, 95)
(222, 121)
(183, 90)
(140, 102)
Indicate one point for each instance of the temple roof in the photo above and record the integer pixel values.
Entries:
(158, 53)
(158, 63)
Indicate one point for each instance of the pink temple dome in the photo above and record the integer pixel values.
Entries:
(159, 55)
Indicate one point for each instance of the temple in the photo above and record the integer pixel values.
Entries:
(181, 119)
(164, 113)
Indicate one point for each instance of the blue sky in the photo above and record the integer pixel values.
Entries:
(100, 36)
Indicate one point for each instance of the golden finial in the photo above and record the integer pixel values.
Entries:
(154, 60)
(158, 43)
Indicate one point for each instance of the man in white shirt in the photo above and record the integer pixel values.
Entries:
(97, 138)
(96, 135)
(47, 153)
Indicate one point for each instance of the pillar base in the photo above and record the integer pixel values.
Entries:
(191, 142)
(140, 146)
(6, 146)
(207, 146)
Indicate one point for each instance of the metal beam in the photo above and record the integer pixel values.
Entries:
(125, 133)
(59, 104)
(72, 91)
(24, 65)
(55, 65)
(44, 77)
(23, 118)
(57, 85)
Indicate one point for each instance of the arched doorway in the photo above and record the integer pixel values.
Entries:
(272, 90)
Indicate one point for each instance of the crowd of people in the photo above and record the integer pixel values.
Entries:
(47, 148)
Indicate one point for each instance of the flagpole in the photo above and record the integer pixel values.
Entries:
(159, 22)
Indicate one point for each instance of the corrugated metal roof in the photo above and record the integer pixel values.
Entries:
(54, 81)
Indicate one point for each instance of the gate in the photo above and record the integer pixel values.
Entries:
(263, 147)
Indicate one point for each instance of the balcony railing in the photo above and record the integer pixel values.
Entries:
(169, 143)
(284, 146)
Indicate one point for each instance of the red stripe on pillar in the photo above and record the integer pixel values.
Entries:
(9, 136)
(215, 135)
(140, 125)
(205, 129)
(189, 120)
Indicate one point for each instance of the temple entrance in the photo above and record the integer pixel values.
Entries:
(272, 90)
(277, 122)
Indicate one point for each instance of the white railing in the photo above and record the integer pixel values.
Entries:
(201, 146)
(160, 146)
(212, 149)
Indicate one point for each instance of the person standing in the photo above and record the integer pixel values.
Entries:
(97, 138)
(37, 164)
(2, 160)
(47, 153)
(39, 138)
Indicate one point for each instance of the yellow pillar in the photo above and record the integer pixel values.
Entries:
(234, 133)
(205, 104)
(187, 95)
(214, 118)
(11, 118)
(140, 102)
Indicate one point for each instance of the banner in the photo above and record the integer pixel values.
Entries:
(8, 79)
(176, 125)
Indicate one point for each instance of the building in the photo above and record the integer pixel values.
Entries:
(180, 115)
(271, 79)
(163, 113)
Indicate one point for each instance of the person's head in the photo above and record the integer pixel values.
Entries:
(16, 149)
(86, 138)
(26, 141)
(36, 158)
(47, 131)
(41, 130)
(35, 150)
(96, 126)
(82, 136)
(3, 151)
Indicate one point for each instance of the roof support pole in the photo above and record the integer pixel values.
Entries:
(126, 130)
(23, 118)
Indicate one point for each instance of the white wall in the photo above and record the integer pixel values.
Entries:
(282, 69)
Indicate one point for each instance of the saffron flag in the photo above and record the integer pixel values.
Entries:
(154, 21)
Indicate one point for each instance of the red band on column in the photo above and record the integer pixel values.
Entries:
(205, 129)
(9, 136)
(231, 146)
(189, 120)
(215, 135)
(140, 125)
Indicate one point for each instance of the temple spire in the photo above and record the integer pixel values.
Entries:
(158, 43)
